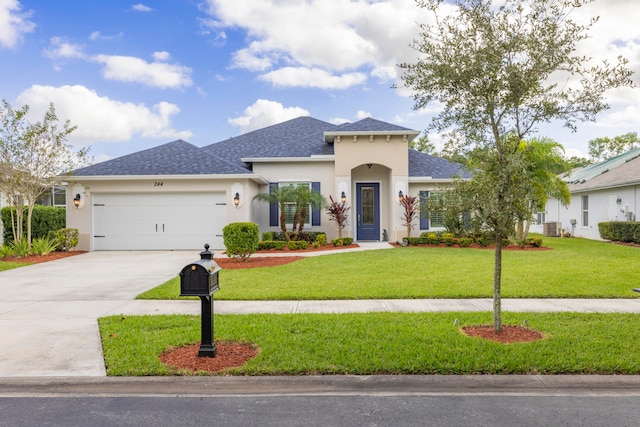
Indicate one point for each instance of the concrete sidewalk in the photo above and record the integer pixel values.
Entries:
(48, 311)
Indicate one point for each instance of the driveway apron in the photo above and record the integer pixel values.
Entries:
(48, 311)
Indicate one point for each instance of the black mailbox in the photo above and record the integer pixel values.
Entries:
(201, 277)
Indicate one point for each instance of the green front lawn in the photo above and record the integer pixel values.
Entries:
(574, 268)
(383, 343)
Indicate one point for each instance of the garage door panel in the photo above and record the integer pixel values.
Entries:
(158, 221)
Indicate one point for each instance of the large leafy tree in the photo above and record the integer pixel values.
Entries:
(604, 148)
(32, 158)
(498, 71)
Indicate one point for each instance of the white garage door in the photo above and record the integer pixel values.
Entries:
(161, 221)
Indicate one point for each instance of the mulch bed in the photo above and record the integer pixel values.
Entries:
(508, 335)
(254, 262)
(228, 355)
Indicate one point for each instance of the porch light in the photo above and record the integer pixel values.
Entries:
(76, 201)
(343, 197)
(236, 199)
(400, 196)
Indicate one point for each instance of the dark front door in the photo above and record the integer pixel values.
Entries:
(368, 206)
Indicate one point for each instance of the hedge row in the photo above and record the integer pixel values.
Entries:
(43, 220)
(620, 231)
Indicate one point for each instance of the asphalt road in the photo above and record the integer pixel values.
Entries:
(351, 410)
(323, 401)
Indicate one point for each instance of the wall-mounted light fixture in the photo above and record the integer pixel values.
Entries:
(369, 165)
(619, 200)
(236, 200)
(343, 197)
(400, 196)
(76, 201)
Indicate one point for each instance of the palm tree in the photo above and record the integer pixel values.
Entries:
(285, 197)
(281, 196)
(304, 197)
(544, 162)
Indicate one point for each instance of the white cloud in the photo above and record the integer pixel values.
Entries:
(161, 56)
(61, 48)
(139, 7)
(97, 35)
(362, 114)
(14, 23)
(155, 74)
(339, 36)
(102, 119)
(313, 78)
(265, 113)
(627, 118)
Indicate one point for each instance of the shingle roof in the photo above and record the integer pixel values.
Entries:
(299, 137)
(421, 164)
(589, 172)
(174, 158)
(617, 171)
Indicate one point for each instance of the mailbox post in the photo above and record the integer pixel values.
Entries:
(200, 279)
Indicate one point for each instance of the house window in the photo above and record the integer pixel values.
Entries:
(290, 208)
(54, 196)
(585, 211)
(541, 218)
(430, 219)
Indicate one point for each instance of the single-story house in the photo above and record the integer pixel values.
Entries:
(600, 192)
(179, 196)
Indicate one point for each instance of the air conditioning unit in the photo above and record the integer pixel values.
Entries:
(552, 229)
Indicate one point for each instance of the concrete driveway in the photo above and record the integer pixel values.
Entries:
(48, 311)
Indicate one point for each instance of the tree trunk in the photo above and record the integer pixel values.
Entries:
(283, 223)
(497, 277)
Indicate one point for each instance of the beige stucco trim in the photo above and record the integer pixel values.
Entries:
(327, 158)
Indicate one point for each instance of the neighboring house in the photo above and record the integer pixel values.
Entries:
(178, 196)
(601, 192)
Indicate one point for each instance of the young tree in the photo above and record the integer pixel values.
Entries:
(32, 157)
(338, 212)
(411, 209)
(604, 148)
(495, 71)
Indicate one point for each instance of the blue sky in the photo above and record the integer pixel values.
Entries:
(136, 75)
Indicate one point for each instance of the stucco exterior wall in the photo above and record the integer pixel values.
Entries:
(290, 172)
(604, 205)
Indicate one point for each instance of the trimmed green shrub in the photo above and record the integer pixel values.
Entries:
(535, 242)
(295, 245)
(348, 240)
(321, 239)
(465, 242)
(272, 244)
(241, 239)
(65, 238)
(43, 220)
(268, 236)
(414, 241)
(620, 231)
